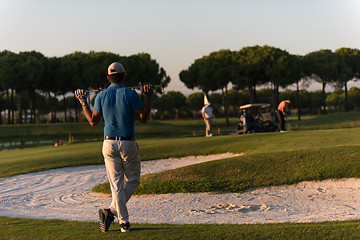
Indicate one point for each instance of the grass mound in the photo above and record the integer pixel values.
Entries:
(241, 173)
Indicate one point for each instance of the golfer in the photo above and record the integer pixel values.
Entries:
(118, 106)
(208, 116)
(281, 113)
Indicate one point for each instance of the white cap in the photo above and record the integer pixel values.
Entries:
(206, 101)
(115, 68)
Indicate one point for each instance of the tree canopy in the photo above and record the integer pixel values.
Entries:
(31, 72)
(28, 78)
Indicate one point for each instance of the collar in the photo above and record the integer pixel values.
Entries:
(116, 85)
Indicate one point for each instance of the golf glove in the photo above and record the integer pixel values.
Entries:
(81, 96)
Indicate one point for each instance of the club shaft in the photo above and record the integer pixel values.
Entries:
(134, 87)
(139, 87)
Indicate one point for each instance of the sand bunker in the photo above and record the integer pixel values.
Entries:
(65, 194)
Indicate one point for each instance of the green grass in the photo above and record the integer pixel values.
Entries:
(14, 162)
(48, 131)
(241, 173)
(17, 228)
(82, 130)
(157, 128)
(330, 121)
(330, 150)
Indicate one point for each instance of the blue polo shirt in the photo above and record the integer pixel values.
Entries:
(117, 104)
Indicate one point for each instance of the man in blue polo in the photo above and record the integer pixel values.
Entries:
(118, 106)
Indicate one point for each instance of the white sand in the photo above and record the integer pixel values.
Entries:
(64, 194)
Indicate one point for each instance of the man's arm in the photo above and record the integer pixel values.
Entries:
(93, 117)
(143, 114)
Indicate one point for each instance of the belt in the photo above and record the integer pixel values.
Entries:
(119, 138)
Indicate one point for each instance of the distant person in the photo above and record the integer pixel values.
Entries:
(118, 106)
(208, 116)
(281, 113)
(245, 119)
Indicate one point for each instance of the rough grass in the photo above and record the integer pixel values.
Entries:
(241, 173)
(17, 228)
(329, 121)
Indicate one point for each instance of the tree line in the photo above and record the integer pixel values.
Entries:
(251, 67)
(174, 105)
(32, 84)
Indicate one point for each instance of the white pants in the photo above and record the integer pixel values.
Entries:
(122, 159)
(208, 129)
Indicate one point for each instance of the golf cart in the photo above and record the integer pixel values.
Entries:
(256, 117)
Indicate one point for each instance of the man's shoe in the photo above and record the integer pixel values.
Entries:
(125, 227)
(106, 218)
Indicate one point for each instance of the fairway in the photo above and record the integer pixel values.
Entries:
(88, 153)
(58, 194)
(271, 159)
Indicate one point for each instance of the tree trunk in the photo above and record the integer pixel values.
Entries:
(298, 100)
(54, 109)
(195, 115)
(0, 112)
(32, 108)
(48, 118)
(226, 105)
(65, 114)
(25, 115)
(323, 111)
(76, 109)
(253, 97)
(19, 95)
(346, 98)
(8, 106)
(176, 114)
(70, 115)
(12, 107)
(275, 95)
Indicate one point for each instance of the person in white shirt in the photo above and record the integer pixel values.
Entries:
(208, 117)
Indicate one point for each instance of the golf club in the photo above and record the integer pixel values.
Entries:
(134, 87)
(288, 123)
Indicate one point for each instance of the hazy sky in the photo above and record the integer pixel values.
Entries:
(175, 33)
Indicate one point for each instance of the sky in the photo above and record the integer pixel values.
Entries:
(177, 32)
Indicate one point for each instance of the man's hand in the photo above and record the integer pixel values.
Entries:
(148, 89)
(143, 114)
(81, 96)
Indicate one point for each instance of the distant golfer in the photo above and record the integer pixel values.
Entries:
(208, 116)
(118, 106)
(281, 113)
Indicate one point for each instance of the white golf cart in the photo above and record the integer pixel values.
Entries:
(256, 117)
